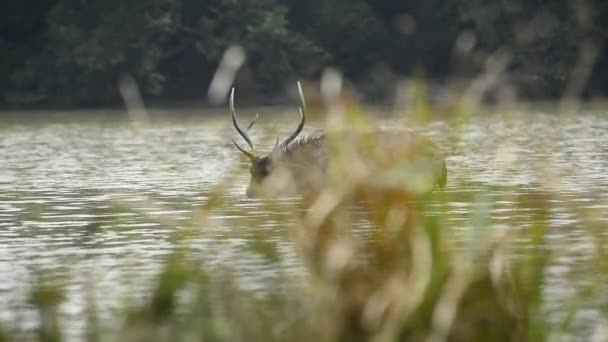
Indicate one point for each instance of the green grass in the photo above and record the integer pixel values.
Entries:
(411, 281)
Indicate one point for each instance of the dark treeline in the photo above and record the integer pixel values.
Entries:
(73, 52)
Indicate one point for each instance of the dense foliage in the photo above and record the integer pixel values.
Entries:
(72, 52)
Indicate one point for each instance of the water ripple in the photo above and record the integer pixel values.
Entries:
(101, 201)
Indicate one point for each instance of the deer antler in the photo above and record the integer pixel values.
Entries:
(302, 110)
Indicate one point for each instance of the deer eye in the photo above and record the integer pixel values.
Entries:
(262, 168)
(265, 168)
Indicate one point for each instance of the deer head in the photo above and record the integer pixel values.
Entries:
(263, 166)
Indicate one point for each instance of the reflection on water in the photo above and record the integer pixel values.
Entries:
(101, 202)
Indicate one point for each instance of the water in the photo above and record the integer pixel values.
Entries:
(99, 200)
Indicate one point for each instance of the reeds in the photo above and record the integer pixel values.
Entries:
(411, 280)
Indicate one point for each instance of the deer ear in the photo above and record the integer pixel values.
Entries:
(276, 150)
(276, 154)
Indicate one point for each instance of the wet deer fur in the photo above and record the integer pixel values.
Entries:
(299, 166)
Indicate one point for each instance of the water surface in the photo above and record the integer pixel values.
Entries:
(99, 201)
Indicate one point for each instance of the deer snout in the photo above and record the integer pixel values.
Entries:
(250, 192)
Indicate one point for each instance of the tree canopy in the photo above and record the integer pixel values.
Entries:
(73, 52)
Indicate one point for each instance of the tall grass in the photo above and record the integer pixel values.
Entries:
(410, 282)
(407, 283)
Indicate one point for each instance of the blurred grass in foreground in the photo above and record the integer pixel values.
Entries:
(407, 283)
(410, 282)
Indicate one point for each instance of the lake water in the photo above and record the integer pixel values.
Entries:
(98, 201)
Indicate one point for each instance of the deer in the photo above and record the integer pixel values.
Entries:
(306, 166)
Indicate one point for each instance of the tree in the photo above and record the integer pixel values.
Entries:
(73, 52)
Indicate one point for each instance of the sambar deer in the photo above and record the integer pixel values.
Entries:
(306, 166)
